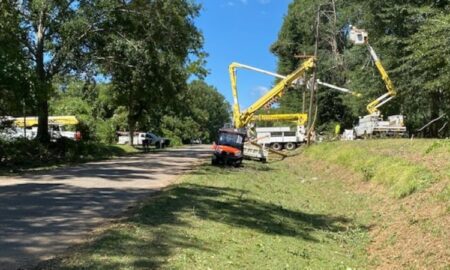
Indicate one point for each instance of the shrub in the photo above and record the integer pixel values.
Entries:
(106, 132)
(24, 153)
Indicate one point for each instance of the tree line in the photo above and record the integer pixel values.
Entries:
(117, 65)
(411, 37)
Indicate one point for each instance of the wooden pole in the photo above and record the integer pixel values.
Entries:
(314, 78)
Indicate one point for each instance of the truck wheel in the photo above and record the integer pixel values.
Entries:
(290, 146)
(214, 162)
(237, 163)
(277, 146)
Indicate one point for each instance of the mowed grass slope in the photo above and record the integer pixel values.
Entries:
(404, 166)
(318, 210)
(276, 216)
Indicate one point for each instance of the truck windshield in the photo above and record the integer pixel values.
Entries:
(151, 135)
(230, 139)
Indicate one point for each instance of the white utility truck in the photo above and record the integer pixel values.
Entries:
(20, 127)
(279, 138)
(374, 125)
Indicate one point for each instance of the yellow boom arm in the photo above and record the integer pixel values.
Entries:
(374, 105)
(242, 119)
(299, 118)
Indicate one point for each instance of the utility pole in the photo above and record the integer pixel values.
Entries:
(304, 56)
(314, 78)
(304, 101)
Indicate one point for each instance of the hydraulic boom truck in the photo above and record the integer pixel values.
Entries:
(255, 147)
(373, 123)
(241, 120)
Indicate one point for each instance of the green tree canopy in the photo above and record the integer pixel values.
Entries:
(147, 52)
(410, 39)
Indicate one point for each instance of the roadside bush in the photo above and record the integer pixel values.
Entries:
(106, 132)
(174, 140)
(24, 153)
(180, 130)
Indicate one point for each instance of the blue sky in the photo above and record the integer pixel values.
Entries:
(241, 31)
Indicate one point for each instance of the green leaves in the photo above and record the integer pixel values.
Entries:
(146, 47)
(411, 39)
(201, 112)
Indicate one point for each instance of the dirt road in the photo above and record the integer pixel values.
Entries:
(43, 214)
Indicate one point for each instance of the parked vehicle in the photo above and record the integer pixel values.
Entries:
(279, 138)
(13, 133)
(374, 125)
(228, 147)
(139, 137)
(57, 128)
(158, 141)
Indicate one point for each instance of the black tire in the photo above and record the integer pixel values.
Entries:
(290, 146)
(237, 163)
(214, 162)
(277, 146)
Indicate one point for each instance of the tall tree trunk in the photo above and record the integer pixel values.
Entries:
(334, 44)
(131, 128)
(42, 85)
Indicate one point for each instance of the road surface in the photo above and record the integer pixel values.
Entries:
(43, 214)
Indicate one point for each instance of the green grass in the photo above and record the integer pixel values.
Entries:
(300, 213)
(277, 216)
(403, 166)
(126, 149)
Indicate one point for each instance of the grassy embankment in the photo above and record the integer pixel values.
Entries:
(355, 205)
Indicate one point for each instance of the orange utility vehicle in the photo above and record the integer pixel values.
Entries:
(229, 147)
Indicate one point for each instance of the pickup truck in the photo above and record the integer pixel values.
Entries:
(159, 142)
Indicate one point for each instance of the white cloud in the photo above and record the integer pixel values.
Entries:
(260, 90)
(234, 3)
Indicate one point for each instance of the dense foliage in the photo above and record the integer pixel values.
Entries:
(411, 38)
(116, 65)
(199, 112)
(23, 154)
(202, 112)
